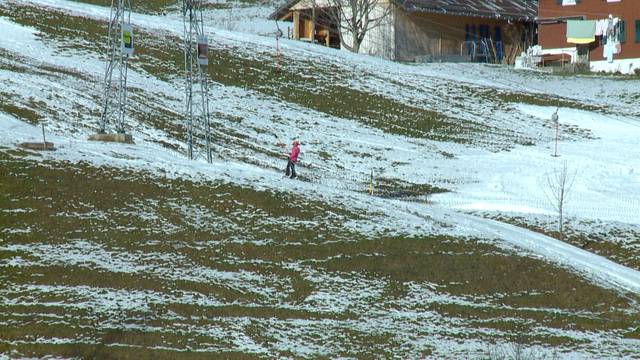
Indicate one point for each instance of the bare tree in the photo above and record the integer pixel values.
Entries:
(517, 351)
(558, 188)
(354, 18)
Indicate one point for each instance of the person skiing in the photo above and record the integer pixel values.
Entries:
(293, 159)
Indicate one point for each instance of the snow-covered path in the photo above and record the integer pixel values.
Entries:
(591, 266)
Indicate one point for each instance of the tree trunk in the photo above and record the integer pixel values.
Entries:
(561, 204)
(560, 226)
(356, 43)
(343, 42)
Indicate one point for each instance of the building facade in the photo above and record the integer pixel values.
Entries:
(557, 17)
(432, 30)
(463, 30)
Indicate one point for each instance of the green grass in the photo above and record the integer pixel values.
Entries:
(286, 239)
(147, 6)
(23, 113)
(157, 7)
(87, 36)
(509, 97)
(393, 188)
(323, 90)
(599, 242)
(266, 233)
(255, 71)
(320, 93)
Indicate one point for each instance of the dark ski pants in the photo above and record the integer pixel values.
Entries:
(291, 169)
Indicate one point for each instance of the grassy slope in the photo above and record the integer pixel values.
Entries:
(615, 242)
(148, 6)
(150, 222)
(302, 242)
(157, 7)
(325, 90)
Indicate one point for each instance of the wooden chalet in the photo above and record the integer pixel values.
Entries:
(310, 22)
(429, 30)
(622, 33)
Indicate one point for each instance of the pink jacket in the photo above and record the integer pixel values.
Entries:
(293, 156)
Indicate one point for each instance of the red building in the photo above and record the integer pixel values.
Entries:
(559, 20)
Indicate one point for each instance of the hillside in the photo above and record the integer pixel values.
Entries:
(133, 251)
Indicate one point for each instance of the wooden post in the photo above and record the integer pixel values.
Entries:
(440, 47)
(313, 23)
(555, 153)
(556, 119)
(44, 139)
(296, 25)
(278, 52)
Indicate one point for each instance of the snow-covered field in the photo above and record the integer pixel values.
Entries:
(231, 257)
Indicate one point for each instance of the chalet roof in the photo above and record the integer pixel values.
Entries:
(283, 9)
(494, 9)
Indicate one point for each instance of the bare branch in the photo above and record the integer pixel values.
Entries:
(559, 186)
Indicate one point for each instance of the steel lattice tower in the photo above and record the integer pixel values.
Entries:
(196, 92)
(115, 88)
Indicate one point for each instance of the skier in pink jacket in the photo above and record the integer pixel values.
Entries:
(293, 159)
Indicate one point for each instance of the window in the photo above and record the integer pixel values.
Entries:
(622, 31)
(638, 31)
(568, 2)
